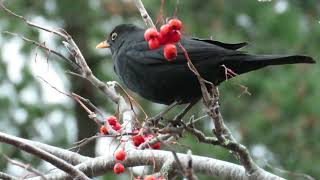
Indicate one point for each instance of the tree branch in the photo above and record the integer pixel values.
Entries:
(44, 47)
(144, 14)
(5, 176)
(207, 166)
(27, 167)
(59, 163)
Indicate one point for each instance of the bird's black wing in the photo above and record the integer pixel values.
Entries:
(231, 46)
(197, 50)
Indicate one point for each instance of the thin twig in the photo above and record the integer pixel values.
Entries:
(33, 24)
(178, 162)
(144, 14)
(28, 167)
(53, 87)
(87, 101)
(42, 46)
(189, 170)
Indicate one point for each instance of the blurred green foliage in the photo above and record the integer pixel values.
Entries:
(279, 122)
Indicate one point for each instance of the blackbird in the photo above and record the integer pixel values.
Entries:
(149, 74)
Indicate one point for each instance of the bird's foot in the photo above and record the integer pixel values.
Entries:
(177, 119)
(159, 116)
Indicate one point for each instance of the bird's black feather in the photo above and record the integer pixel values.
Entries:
(232, 46)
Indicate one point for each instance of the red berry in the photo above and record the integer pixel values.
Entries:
(118, 168)
(137, 140)
(148, 136)
(154, 43)
(103, 130)
(112, 120)
(149, 177)
(120, 155)
(174, 36)
(164, 30)
(137, 178)
(163, 39)
(170, 51)
(117, 126)
(156, 145)
(151, 33)
(175, 24)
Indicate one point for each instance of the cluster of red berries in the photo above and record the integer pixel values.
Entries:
(119, 155)
(136, 139)
(139, 139)
(168, 36)
(112, 120)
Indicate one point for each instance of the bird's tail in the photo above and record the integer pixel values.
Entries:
(279, 59)
(244, 62)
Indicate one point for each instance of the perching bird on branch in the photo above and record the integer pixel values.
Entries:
(149, 74)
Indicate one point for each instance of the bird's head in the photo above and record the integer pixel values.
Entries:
(121, 34)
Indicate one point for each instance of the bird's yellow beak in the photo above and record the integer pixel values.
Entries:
(103, 44)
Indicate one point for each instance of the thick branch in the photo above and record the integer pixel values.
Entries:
(70, 157)
(207, 166)
(59, 163)
(5, 176)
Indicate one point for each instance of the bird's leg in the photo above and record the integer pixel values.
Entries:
(179, 116)
(155, 120)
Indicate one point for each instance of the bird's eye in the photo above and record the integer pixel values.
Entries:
(114, 36)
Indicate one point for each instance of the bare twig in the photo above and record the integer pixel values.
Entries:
(189, 175)
(91, 115)
(53, 87)
(144, 14)
(154, 140)
(42, 46)
(179, 117)
(153, 121)
(28, 167)
(200, 135)
(56, 32)
(199, 118)
(87, 101)
(178, 163)
(84, 142)
(245, 90)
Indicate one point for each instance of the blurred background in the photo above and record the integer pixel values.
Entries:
(279, 122)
